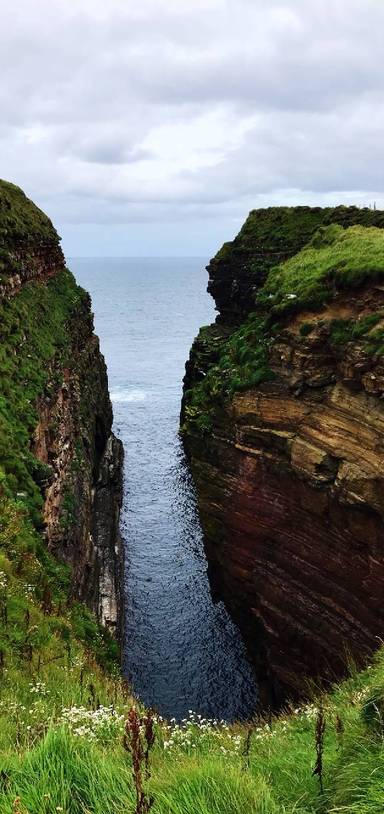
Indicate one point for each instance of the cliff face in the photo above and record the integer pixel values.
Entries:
(58, 455)
(283, 422)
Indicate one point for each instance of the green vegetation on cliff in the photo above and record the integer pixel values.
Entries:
(335, 258)
(35, 346)
(20, 219)
(38, 623)
(270, 237)
(335, 284)
(241, 363)
(23, 228)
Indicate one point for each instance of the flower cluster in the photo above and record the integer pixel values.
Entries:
(39, 688)
(310, 712)
(3, 580)
(103, 723)
(12, 707)
(265, 732)
(196, 732)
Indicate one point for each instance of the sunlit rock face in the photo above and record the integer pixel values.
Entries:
(289, 473)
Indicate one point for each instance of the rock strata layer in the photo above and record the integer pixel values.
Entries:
(289, 473)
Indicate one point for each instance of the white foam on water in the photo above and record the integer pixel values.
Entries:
(127, 395)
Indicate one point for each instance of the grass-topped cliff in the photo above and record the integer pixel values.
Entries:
(28, 240)
(21, 220)
(38, 327)
(267, 238)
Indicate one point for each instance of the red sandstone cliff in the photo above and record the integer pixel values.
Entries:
(289, 473)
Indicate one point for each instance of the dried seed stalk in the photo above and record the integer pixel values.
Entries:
(139, 737)
(319, 745)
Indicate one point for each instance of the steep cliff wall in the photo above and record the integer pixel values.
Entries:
(283, 422)
(58, 457)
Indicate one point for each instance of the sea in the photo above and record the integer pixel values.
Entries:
(181, 651)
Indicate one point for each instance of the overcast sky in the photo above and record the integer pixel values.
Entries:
(152, 127)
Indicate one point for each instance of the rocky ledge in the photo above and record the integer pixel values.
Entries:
(58, 455)
(283, 423)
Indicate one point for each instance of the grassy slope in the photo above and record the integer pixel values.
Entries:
(21, 219)
(335, 258)
(73, 761)
(55, 760)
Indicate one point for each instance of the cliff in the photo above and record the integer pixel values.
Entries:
(282, 420)
(59, 460)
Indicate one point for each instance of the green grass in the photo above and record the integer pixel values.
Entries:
(335, 258)
(348, 330)
(60, 749)
(21, 219)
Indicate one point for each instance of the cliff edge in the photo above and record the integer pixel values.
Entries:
(60, 464)
(283, 420)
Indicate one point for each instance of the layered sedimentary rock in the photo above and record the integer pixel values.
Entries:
(73, 459)
(289, 471)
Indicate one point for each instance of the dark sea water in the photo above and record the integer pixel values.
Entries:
(181, 651)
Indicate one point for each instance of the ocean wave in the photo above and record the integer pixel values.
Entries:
(127, 394)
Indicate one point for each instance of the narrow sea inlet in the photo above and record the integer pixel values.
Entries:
(181, 651)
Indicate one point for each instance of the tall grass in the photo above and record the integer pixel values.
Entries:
(60, 751)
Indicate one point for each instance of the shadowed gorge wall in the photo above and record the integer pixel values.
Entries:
(283, 421)
(58, 457)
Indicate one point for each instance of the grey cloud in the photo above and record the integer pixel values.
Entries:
(161, 110)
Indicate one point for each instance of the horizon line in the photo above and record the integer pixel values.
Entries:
(135, 257)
